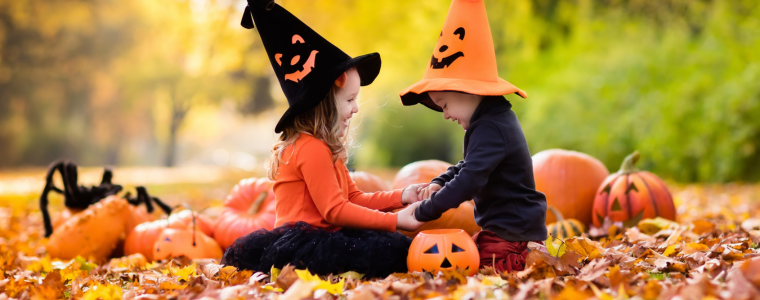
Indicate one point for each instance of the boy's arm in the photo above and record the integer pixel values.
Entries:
(447, 176)
(485, 150)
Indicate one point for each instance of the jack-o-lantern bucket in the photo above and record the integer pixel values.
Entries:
(443, 249)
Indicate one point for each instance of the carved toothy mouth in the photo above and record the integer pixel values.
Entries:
(444, 62)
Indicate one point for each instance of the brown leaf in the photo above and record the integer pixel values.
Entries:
(287, 277)
(593, 270)
(211, 270)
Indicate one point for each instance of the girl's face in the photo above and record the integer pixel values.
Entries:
(457, 107)
(346, 100)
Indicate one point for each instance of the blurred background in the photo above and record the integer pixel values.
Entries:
(178, 83)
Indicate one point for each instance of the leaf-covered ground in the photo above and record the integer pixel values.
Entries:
(709, 253)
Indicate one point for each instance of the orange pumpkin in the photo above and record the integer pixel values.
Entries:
(369, 183)
(419, 172)
(569, 179)
(631, 195)
(189, 242)
(185, 217)
(142, 238)
(462, 217)
(443, 249)
(95, 232)
(249, 207)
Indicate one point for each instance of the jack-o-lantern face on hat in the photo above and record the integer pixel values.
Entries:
(443, 249)
(446, 61)
(298, 62)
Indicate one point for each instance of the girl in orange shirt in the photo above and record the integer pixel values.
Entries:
(324, 223)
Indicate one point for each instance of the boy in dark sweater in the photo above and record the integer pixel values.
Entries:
(462, 82)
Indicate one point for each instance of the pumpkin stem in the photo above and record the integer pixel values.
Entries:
(192, 213)
(556, 213)
(256, 206)
(629, 164)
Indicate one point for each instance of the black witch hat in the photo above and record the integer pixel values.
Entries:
(305, 63)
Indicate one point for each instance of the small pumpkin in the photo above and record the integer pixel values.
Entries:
(137, 260)
(369, 183)
(462, 217)
(96, 231)
(184, 217)
(249, 206)
(190, 242)
(564, 228)
(443, 249)
(631, 195)
(142, 238)
(569, 179)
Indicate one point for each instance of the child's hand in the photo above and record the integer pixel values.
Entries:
(405, 218)
(425, 192)
(410, 194)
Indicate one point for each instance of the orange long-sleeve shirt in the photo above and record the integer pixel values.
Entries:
(313, 189)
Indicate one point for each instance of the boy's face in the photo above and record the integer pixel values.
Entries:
(345, 99)
(457, 107)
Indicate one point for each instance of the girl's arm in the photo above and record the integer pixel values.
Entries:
(382, 201)
(315, 163)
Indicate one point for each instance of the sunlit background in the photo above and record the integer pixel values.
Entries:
(173, 83)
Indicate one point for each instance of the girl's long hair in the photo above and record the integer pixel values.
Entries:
(322, 122)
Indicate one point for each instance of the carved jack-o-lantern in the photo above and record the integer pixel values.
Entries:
(631, 195)
(443, 249)
(300, 63)
(444, 62)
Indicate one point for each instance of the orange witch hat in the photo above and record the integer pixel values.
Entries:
(463, 59)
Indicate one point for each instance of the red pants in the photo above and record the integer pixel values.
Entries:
(508, 256)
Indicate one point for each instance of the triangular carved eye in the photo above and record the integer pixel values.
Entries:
(616, 205)
(455, 248)
(432, 250)
(631, 187)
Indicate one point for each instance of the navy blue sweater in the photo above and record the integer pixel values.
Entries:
(497, 171)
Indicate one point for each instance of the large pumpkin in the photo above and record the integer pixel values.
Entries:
(369, 183)
(569, 179)
(462, 217)
(443, 249)
(631, 195)
(95, 232)
(249, 207)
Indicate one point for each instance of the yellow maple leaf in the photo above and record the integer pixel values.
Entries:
(184, 273)
(43, 265)
(104, 292)
(332, 288)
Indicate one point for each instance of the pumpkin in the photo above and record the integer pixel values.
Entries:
(443, 249)
(189, 242)
(76, 197)
(142, 238)
(631, 195)
(569, 179)
(369, 183)
(185, 217)
(462, 217)
(95, 232)
(137, 260)
(564, 228)
(249, 206)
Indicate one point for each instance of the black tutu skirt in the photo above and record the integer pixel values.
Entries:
(369, 252)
